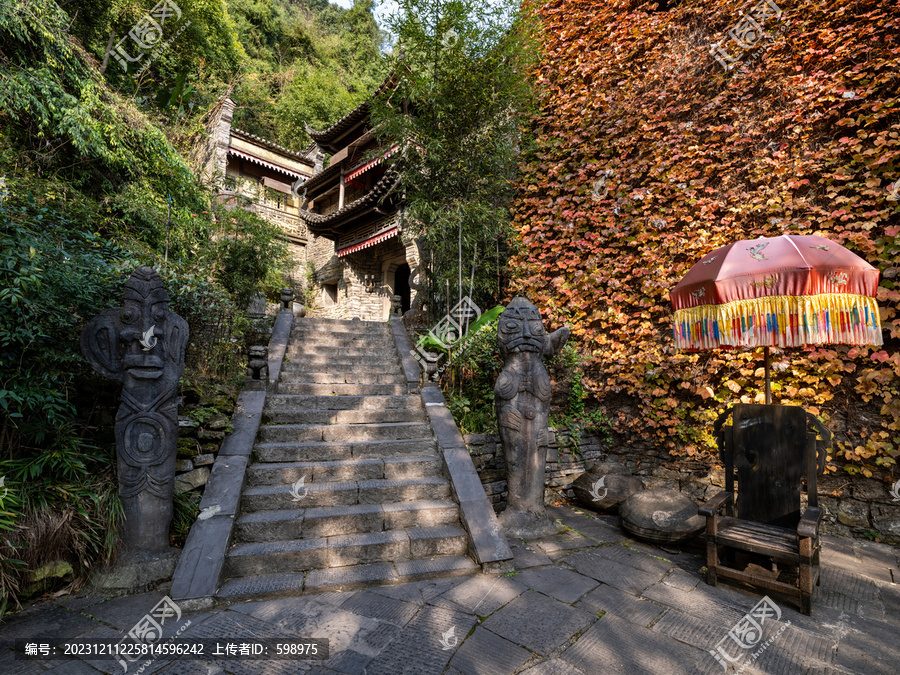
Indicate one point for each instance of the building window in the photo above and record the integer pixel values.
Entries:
(329, 294)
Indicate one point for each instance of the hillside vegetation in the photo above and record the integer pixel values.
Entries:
(93, 182)
(649, 155)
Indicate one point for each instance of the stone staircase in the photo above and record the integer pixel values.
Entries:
(346, 488)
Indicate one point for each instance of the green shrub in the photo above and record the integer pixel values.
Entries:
(246, 254)
(476, 364)
(53, 278)
(469, 381)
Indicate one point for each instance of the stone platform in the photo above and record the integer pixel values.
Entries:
(584, 601)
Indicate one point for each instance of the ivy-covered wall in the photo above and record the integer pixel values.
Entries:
(650, 154)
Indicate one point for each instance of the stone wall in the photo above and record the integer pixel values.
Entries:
(854, 506)
(564, 463)
(209, 153)
(349, 274)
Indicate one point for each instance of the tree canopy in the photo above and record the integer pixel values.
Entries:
(461, 100)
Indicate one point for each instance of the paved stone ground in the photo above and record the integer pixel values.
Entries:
(588, 600)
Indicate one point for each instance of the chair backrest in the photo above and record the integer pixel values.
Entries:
(772, 452)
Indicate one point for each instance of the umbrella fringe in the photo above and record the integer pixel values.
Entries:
(781, 321)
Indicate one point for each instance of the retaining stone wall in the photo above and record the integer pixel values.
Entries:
(854, 506)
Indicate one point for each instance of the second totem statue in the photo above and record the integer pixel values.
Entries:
(141, 345)
(522, 401)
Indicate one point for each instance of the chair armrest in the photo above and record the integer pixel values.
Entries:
(716, 503)
(808, 527)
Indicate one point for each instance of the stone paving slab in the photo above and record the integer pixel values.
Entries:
(601, 568)
(606, 599)
(432, 588)
(565, 541)
(869, 647)
(600, 532)
(538, 623)
(702, 602)
(683, 581)
(525, 555)
(380, 607)
(656, 615)
(849, 584)
(564, 585)
(485, 653)
(654, 564)
(425, 646)
(189, 668)
(794, 650)
(692, 630)
(408, 592)
(481, 595)
(50, 622)
(104, 666)
(553, 667)
(614, 645)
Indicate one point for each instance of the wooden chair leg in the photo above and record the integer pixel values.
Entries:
(712, 550)
(806, 575)
(712, 562)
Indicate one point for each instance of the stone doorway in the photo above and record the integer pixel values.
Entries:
(401, 285)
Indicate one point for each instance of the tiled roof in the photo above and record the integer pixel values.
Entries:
(352, 118)
(310, 150)
(381, 189)
(261, 162)
(324, 175)
(272, 146)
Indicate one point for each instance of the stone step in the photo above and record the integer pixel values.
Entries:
(370, 364)
(343, 335)
(341, 389)
(376, 491)
(336, 433)
(308, 322)
(311, 452)
(279, 585)
(320, 345)
(364, 367)
(295, 350)
(278, 524)
(281, 473)
(294, 555)
(339, 361)
(344, 416)
(386, 376)
(288, 402)
(340, 333)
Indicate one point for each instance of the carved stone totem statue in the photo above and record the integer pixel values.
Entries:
(142, 346)
(522, 400)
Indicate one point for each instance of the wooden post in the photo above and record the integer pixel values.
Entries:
(768, 379)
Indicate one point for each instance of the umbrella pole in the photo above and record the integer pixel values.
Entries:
(768, 380)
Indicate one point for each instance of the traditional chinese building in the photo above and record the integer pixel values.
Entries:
(351, 207)
(345, 218)
(257, 175)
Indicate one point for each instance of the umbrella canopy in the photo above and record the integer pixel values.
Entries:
(785, 291)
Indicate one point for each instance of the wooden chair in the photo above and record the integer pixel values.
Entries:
(772, 452)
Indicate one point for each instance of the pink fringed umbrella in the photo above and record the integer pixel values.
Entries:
(786, 291)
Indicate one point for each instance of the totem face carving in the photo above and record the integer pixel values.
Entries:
(142, 345)
(522, 402)
(520, 329)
